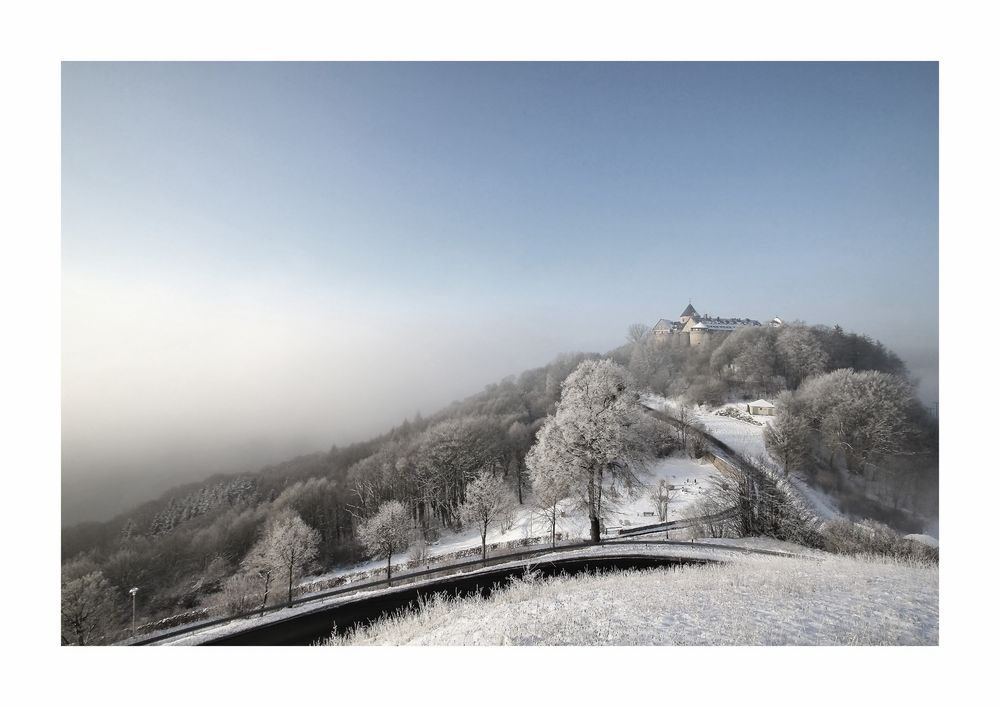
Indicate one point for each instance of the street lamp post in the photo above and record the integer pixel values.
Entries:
(133, 591)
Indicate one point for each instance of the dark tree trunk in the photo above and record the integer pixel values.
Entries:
(267, 588)
(388, 569)
(595, 530)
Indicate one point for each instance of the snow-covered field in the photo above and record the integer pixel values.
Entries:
(689, 479)
(756, 600)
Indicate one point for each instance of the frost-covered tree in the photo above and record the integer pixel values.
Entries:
(862, 414)
(450, 454)
(286, 549)
(787, 436)
(551, 483)
(386, 533)
(294, 546)
(87, 608)
(646, 359)
(595, 433)
(757, 365)
(800, 354)
(486, 501)
(259, 563)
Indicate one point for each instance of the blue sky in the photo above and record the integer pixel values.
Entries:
(427, 180)
(419, 230)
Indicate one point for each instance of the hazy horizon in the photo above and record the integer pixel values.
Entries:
(261, 260)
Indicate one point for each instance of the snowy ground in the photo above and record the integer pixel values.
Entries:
(744, 437)
(689, 477)
(712, 549)
(748, 440)
(754, 600)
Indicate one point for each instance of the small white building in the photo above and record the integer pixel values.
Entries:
(760, 407)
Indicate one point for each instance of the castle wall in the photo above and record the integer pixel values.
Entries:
(672, 337)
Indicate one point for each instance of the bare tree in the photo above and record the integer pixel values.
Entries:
(637, 332)
(486, 502)
(552, 484)
(260, 563)
(386, 533)
(520, 439)
(659, 494)
(685, 417)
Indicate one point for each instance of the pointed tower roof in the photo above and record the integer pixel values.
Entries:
(689, 311)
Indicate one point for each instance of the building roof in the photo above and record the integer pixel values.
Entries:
(663, 324)
(760, 404)
(689, 311)
(720, 324)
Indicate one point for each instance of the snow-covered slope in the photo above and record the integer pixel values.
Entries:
(748, 440)
(750, 601)
(689, 477)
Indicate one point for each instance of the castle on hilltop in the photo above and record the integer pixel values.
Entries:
(694, 329)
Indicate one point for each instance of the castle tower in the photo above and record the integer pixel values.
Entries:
(699, 332)
(688, 313)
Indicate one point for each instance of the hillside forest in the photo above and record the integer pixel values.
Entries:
(847, 418)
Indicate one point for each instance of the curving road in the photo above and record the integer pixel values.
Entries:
(315, 611)
(313, 618)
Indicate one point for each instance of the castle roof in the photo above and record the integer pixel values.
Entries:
(721, 324)
(663, 324)
(689, 311)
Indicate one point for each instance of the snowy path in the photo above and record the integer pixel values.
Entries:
(747, 440)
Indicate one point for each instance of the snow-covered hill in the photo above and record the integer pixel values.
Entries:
(755, 600)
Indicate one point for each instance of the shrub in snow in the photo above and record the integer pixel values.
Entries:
(737, 414)
(869, 537)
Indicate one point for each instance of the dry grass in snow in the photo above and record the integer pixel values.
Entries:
(752, 601)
